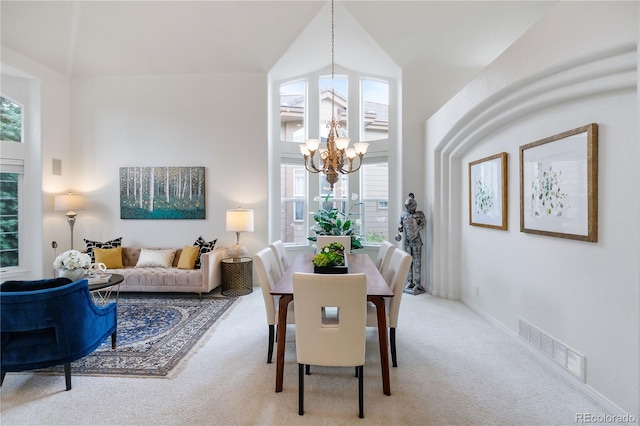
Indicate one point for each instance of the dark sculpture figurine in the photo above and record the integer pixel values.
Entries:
(411, 223)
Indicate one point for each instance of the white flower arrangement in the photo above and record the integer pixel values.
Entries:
(72, 259)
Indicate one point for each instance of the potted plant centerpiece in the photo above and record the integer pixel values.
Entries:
(330, 259)
(334, 222)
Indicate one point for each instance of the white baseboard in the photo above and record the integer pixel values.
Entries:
(608, 404)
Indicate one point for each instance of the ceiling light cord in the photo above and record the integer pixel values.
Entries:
(337, 157)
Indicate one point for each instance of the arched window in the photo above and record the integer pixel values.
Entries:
(361, 104)
(293, 97)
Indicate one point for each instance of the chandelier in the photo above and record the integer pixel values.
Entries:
(337, 157)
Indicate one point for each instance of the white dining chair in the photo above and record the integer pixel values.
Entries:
(384, 255)
(396, 277)
(268, 274)
(280, 254)
(340, 343)
(345, 240)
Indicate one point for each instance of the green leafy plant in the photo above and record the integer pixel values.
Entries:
(374, 237)
(334, 222)
(330, 255)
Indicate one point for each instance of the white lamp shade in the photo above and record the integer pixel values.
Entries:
(312, 144)
(342, 143)
(361, 147)
(240, 220)
(69, 202)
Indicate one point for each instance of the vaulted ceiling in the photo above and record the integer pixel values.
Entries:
(110, 38)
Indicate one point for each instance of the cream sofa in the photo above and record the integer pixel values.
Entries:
(154, 279)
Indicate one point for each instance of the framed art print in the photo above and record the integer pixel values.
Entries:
(488, 192)
(162, 193)
(559, 185)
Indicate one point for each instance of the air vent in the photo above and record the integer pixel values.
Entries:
(560, 353)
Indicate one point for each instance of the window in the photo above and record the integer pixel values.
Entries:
(336, 91)
(299, 183)
(292, 111)
(10, 190)
(10, 120)
(338, 197)
(375, 199)
(302, 192)
(11, 172)
(375, 110)
(293, 189)
(299, 191)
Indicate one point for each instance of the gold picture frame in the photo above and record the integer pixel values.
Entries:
(559, 185)
(488, 193)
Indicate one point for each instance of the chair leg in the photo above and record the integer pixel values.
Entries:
(67, 375)
(307, 370)
(114, 338)
(270, 350)
(301, 389)
(392, 336)
(360, 391)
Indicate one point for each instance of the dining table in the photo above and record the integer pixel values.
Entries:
(377, 291)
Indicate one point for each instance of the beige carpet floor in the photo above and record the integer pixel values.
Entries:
(455, 368)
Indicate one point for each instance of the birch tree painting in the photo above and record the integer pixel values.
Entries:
(162, 193)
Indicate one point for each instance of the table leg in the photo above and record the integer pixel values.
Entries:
(283, 305)
(382, 339)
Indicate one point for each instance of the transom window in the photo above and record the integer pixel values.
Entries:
(335, 91)
(10, 120)
(292, 111)
(375, 110)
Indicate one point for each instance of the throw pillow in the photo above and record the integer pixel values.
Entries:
(116, 242)
(112, 258)
(159, 258)
(188, 257)
(205, 247)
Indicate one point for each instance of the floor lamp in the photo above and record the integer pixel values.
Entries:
(69, 203)
(239, 220)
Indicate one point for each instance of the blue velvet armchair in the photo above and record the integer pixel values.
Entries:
(51, 322)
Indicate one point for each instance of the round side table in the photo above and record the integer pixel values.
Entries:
(237, 276)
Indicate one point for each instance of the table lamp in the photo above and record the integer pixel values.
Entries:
(239, 220)
(69, 203)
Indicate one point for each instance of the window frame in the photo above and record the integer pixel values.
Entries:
(364, 198)
(286, 151)
(361, 122)
(11, 169)
(14, 160)
(22, 119)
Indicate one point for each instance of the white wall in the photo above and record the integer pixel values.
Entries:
(217, 121)
(583, 294)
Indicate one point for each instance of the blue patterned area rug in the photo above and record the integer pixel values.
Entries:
(155, 332)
